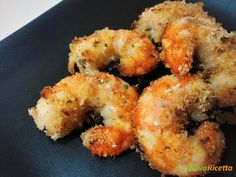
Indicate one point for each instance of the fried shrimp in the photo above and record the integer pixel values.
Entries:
(160, 120)
(214, 47)
(154, 20)
(185, 29)
(137, 55)
(63, 107)
(178, 43)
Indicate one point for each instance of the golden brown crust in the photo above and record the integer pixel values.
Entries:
(213, 143)
(214, 46)
(153, 21)
(178, 43)
(160, 119)
(100, 142)
(216, 53)
(137, 55)
(62, 108)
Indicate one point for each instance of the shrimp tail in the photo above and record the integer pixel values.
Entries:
(107, 141)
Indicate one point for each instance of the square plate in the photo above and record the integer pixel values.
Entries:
(36, 56)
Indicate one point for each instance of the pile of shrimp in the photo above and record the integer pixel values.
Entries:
(185, 29)
(156, 120)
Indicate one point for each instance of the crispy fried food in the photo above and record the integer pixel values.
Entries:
(136, 53)
(178, 43)
(160, 120)
(212, 44)
(154, 20)
(189, 30)
(63, 107)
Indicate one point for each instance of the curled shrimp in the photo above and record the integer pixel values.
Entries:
(185, 29)
(154, 20)
(136, 53)
(214, 47)
(161, 117)
(63, 107)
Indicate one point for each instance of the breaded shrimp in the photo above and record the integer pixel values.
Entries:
(160, 120)
(178, 43)
(154, 20)
(63, 107)
(214, 47)
(137, 55)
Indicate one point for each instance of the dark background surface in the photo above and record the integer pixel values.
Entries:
(36, 56)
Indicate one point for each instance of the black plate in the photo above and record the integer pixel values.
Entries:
(36, 56)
